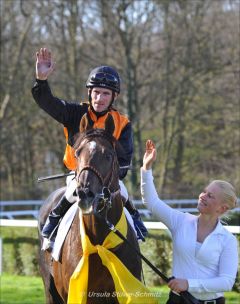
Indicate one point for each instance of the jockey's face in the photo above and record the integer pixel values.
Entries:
(101, 99)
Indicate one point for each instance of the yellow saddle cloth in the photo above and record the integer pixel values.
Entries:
(128, 289)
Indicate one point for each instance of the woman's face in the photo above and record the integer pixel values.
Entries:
(211, 200)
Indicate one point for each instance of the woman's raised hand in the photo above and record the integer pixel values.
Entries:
(44, 64)
(150, 155)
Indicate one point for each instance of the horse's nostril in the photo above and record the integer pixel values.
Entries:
(90, 194)
(85, 193)
(85, 200)
(81, 194)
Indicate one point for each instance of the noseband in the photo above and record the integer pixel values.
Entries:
(97, 173)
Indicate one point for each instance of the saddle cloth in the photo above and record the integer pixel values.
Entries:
(63, 230)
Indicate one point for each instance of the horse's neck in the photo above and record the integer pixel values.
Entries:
(96, 229)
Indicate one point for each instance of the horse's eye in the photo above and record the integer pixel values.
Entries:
(77, 152)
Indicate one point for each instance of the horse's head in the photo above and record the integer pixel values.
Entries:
(97, 167)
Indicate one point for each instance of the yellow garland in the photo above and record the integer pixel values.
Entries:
(128, 289)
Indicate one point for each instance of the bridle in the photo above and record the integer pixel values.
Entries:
(101, 202)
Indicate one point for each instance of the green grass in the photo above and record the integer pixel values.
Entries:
(21, 290)
(29, 290)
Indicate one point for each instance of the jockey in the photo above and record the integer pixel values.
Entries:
(103, 88)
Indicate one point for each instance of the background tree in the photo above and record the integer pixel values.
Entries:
(179, 62)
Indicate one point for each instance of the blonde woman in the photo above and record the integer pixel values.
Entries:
(205, 256)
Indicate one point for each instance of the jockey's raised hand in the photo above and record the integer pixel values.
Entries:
(44, 64)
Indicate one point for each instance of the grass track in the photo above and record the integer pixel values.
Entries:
(21, 290)
(29, 290)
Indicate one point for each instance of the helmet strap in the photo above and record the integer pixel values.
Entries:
(113, 99)
(90, 96)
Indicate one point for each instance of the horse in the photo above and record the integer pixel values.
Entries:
(99, 199)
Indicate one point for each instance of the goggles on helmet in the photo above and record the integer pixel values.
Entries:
(105, 78)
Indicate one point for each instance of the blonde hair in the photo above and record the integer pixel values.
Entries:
(228, 193)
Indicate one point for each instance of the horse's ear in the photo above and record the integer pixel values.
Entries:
(109, 124)
(85, 123)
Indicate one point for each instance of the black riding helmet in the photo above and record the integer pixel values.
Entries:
(104, 77)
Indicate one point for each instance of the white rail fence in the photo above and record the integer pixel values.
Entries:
(28, 217)
(185, 205)
(149, 225)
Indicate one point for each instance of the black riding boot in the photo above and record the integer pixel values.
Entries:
(54, 217)
(137, 221)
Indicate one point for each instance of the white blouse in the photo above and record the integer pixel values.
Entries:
(210, 267)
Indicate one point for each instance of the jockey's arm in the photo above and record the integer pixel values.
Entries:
(67, 113)
(125, 154)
